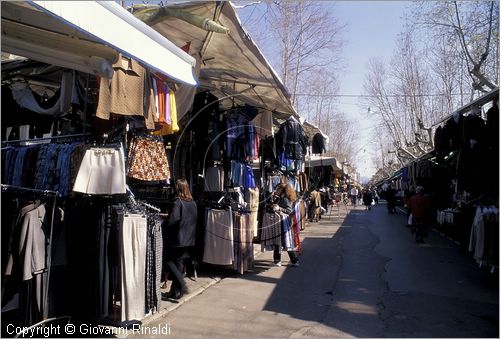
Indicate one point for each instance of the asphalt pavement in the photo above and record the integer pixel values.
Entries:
(361, 274)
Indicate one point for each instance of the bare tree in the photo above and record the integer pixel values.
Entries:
(309, 38)
(471, 28)
(399, 97)
(305, 40)
(456, 58)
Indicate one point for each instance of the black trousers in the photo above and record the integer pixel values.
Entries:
(175, 266)
(277, 255)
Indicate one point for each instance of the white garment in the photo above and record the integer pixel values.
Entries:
(24, 132)
(102, 171)
(254, 210)
(133, 240)
(24, 96)
(219, 237)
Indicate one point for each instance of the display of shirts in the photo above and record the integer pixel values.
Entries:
(173, 127)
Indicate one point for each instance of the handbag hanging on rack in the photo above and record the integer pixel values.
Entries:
(147, 159)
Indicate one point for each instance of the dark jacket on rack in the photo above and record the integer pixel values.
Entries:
(180, 230)
(318, 144)
(291, 140)
(474, 128)
(451, 135)
(492, 124)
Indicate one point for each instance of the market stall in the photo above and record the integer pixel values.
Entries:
(75, 123)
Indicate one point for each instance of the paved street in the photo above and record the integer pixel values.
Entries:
(361, 275)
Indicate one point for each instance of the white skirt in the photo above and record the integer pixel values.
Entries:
(102, 171)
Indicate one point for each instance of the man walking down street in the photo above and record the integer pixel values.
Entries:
(419, 206)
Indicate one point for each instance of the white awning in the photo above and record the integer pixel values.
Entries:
(87, 35)
(321, 161)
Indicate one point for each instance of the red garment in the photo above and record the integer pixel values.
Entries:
(296, 232)
(419, 206)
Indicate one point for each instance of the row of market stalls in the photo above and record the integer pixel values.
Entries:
(461, 177)
(104, 109)
(325, 171)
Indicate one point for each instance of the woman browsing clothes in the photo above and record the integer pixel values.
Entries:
(284, 200)
(179, 236)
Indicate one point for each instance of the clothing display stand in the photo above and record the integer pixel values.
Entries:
(6, 142)
(49, 246)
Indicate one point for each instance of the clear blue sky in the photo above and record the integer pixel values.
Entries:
(372, 30)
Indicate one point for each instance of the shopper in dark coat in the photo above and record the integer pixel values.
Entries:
(179, 236)
(390, 197)
(367, 199)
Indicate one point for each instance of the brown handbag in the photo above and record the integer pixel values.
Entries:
(147, 159)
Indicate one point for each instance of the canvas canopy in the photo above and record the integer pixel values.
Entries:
(232, 66)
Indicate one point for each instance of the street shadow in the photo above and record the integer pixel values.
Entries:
(340, 281)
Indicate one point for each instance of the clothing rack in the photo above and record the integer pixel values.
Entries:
(49, 247)
(154, 208)
(478, 102)
(47, 138)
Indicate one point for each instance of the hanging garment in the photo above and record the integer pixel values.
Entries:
(128, 92)
(214, 179)
(102, 171)
(263, 123)
(33, 242)
(218, 248)
(295, 219)
(248, 177)
(237, 129)
(318, 144)
(173, 127)
(147, 160)
(452, 135)
(133, 240)
(254, 209)
(243, 243)
(287, 237)
(154, 254)
(271, 230)
(291, 140)
(25, 98)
